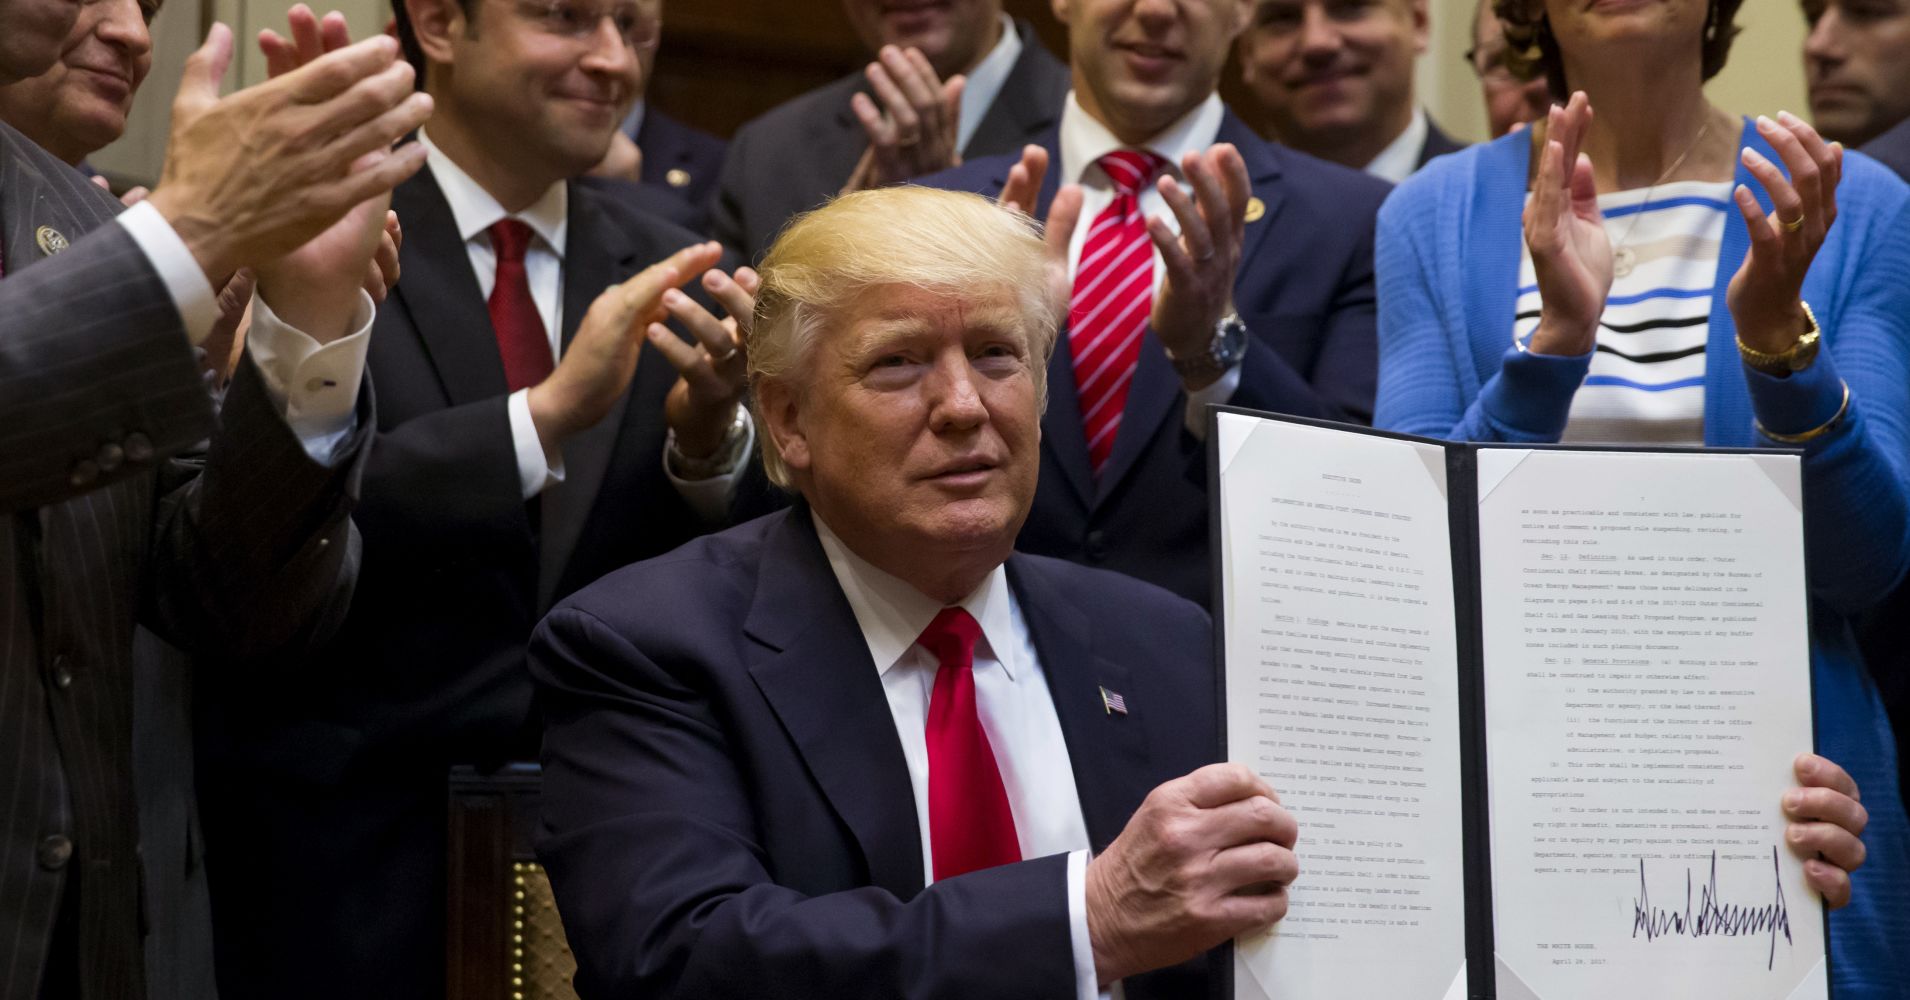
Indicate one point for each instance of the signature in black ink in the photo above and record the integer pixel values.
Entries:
(1713, 916)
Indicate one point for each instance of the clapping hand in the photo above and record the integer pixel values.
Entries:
(1022, 192)
(1764, 294)
(713, 372)
(1565, 231)
(1202, 261)
(913, 132)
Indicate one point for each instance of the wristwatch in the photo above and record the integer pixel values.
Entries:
(1795, 358)
(1223, 352)
(725, 459)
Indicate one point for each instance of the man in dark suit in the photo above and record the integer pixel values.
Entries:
(1857, 65)
(249, 555)
(862, 749)
(1336, 81)
(535, 430)
(1265, 299)
(674, 164)
(838, 137)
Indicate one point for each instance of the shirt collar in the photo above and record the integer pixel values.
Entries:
(892, 614)
(1085, 140)
(1400, 158)
(985, 81)
(475, 210)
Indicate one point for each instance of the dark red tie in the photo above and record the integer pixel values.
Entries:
(1113, 297)
(521, 339)
(969, 822)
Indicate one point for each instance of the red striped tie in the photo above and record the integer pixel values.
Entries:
(1113, 297)
(522, 341)
(970, 826)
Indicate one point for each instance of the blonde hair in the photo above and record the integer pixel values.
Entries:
(939, 241)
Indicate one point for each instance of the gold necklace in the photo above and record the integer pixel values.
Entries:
(1624, 258)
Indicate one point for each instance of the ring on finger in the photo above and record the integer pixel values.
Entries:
(1792, 225)
(718, 359)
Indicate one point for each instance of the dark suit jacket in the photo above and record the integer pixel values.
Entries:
(328, 835)
(249, 553)
(800, 154)
(727, 811)
(1437, 143)
(681, 163)
(1305, 291)
(1892, 149)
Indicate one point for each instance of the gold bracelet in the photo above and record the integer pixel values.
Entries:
(1794, 358)
(1814, 433)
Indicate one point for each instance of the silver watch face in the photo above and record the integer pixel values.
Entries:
(1230, 340)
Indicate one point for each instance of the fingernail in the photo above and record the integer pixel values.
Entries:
(1765, 124)
(673, 297)
(1788, 119)
(1796, 834)
(1794, 799)
(1807, 766)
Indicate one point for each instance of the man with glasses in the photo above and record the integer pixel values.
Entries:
(1511, 103)
(523, 449)
(1334, 78)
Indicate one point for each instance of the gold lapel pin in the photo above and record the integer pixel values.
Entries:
(678, 177)
(1256, 209)
(51, 240)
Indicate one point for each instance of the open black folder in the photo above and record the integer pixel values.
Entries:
(1534, 707)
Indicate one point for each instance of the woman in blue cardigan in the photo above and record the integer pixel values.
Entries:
(1658, 277)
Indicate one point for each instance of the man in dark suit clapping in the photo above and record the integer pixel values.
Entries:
(1206, 266)
(538, 426)
(901, 118)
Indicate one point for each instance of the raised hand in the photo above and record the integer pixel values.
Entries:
(602, 356)
(1202, 261)
(1763, 295)
(913, 132)
(254, 174)
(1022, 192)
(713, 372)
(1826, 826)
(1205, 858)
(1565, 231)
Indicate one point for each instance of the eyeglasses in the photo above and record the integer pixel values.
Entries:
(577, 19)
(1494, 69)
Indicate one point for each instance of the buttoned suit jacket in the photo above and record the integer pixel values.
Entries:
(673, 152)
(801, 153)
(1305, 291)
(328, 829)
(247, 553)
(727, 809)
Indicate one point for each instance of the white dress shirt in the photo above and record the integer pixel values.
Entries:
(1400, 158)
(475, 211)
(1084, 140)
(1016, 709)
(985, 82)
(314, 385)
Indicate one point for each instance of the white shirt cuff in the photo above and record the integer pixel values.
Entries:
(192, 293)
(710, 498)
(1218, 393)
(535, 474)
(1085, 985)
(315, 385)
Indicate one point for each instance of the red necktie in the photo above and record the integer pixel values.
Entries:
(1113, 297)
(521, 339)
(970, 825)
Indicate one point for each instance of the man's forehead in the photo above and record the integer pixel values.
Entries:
(891, 311)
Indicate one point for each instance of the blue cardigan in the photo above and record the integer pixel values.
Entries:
(1448, 262)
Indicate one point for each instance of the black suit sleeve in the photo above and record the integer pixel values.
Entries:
(256, 551)
(652, 846)
(446, 481)
(92, 353)
(1343, 377)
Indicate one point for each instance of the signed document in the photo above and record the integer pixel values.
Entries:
(1534, 709)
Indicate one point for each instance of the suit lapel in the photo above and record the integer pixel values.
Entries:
(596, 255)
(1027, 103)
(1108, 752)
(440, 294)
(39, 191)
(813, 668)
(1155, 394)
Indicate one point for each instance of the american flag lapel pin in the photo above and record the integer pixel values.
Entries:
(1112, 702)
